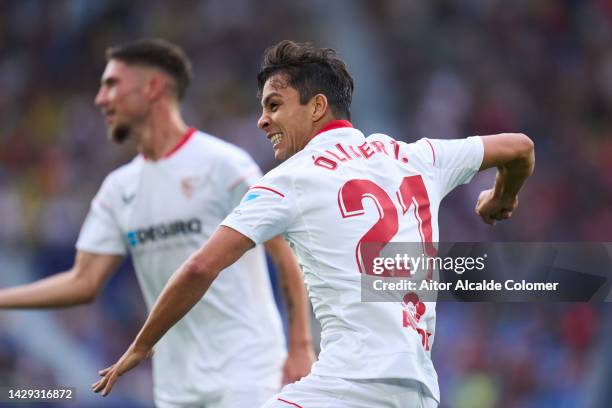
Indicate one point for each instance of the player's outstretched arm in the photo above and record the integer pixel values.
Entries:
(76, 286)
(513, 155)
(300, 354)
(186, 286)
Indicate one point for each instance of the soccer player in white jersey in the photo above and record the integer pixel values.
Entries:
(335, 191)
(229, 352)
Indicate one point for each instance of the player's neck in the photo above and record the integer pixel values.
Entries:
(161, 134)
(322, 125)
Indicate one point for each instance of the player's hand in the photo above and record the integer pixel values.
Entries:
(491, 208)
(130, 359)
(298, 364)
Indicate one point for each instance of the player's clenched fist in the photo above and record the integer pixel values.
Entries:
(493, 208)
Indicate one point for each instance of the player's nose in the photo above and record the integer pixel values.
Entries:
(100, 98)
(264, 122)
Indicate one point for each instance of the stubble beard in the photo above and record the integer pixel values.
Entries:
(119, 134)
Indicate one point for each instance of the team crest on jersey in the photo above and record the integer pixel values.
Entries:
(189, 185)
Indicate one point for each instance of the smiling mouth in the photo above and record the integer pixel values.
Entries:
(275, 139)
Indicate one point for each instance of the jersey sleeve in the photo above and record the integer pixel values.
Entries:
(266, 210)
(237, 175)
(456, 160)
(100, 232)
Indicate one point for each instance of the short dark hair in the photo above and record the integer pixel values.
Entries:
(157, 53)
(310, 71)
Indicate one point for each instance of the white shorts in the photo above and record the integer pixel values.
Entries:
(245, 397)
(316, 391)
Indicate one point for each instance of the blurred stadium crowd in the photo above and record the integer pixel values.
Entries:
(439, 69)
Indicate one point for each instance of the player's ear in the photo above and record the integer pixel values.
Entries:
(156, 87)
(319, 106)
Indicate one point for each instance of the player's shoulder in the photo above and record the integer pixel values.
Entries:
(379, 137)
(283, 175)
(119, 180)
(382, 137)
(416, 151)
(280, 173)
(125, 172)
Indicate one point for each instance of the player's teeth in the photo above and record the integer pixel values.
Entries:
(276, 138)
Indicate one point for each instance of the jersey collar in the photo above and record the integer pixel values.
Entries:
(184, 139)
(334, 124)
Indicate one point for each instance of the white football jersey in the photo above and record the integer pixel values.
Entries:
(343, 190)
(163, 211)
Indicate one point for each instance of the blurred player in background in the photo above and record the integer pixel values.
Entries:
(335, 191)
(229, 352)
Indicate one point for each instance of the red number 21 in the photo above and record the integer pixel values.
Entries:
(411, 193)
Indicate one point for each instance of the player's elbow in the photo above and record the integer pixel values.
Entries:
(87, 293)
(196, 269)
(525, 147)
(519, 153)
(508, 151)
(84, 290)
(88, 297)
(84, 295)
(526, 154)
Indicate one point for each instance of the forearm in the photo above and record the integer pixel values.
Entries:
(298, 315)
(292, 285)
(512, 175)
(59, 290)
(514, 157)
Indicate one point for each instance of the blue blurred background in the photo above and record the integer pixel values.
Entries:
(438, 69)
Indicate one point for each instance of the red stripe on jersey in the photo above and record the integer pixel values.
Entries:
(290, 403)
(269, 189)
(432, 151)
(335, 124)
(181, 142)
